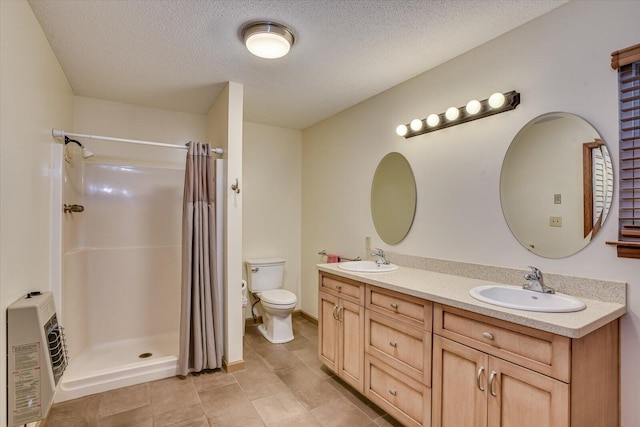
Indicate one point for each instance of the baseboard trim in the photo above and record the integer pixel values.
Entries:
(309, 317)
(250, 321)
(234, 366)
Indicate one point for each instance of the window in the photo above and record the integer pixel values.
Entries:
(627, 62)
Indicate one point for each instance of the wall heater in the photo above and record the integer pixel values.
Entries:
(37, 357)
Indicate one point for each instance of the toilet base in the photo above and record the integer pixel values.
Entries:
(277, 330)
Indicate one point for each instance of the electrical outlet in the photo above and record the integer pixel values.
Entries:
(555, 221)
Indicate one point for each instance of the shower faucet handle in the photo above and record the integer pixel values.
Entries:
(73, 208)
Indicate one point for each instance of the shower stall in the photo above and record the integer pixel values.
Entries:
(121, 270)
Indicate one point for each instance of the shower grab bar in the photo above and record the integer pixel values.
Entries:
(324, 253)
(57, 133)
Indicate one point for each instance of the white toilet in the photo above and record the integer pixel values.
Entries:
(265, 277)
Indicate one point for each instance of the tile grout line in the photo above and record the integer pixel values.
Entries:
(325, 380)
(296, 356)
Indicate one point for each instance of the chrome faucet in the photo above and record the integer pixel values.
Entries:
(536, 283)
(379, 254)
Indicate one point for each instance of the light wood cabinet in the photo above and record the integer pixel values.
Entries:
(473, 389)
(398, 355)
(406, 308)
(500, 374)
(401, 396)
(521, 397)
(541, 351)
(341, 329)
(402, 347)
(328, 328)
(346, 289)
(431, 364)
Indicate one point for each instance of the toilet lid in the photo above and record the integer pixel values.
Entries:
(278, 296)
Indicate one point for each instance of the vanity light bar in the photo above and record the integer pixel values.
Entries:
(496, 103)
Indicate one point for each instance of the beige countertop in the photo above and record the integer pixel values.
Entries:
(454, 291)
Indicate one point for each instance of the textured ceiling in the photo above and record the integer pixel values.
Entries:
(178, 54)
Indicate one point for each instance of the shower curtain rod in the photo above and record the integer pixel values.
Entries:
(60, 133)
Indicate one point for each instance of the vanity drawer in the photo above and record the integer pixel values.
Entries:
(400, 396)
(412, 310)
(349, 290)
(541, 351)
(403, 347)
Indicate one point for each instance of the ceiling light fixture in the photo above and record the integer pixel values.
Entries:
(267, 39)
(496, 103)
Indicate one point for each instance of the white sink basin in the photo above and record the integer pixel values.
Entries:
(366, 267)
(522, 299)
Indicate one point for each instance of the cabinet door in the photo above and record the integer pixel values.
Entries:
(328, 327)
(459, 393)
(351, 344)
(519, 397)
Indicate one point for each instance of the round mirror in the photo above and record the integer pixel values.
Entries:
(393, 198)
(556, 185)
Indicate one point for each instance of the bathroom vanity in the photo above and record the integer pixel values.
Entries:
(417, 345)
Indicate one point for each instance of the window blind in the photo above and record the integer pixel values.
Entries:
(629, 171)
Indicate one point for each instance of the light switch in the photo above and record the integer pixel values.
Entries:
(557, 199)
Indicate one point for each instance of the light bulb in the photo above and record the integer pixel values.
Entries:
(433, 120)
(452, 113)
(402, 130)
(270, 46)
(473, 106)
(416, 125)
(496, 100)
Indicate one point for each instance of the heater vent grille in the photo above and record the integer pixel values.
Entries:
(37, 357)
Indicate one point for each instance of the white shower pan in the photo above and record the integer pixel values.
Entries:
(118, 364)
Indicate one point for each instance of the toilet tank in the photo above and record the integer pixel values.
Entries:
(264, 273)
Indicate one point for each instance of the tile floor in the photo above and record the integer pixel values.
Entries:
(282, 385)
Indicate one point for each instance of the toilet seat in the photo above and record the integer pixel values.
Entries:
(278, 297)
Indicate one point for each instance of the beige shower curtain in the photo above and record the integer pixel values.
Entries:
(200, 315)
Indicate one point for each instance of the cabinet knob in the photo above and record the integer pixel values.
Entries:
(488, 335)
(339, 288)
(393, 344)
(393, 392)
(394, 306)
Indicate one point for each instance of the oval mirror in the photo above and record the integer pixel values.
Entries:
(556, 185)
(393, 198)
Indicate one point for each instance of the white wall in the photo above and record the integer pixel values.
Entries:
(272, 208)
(224, 129)
(120, 120)
(559, 62)
(35, 97)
